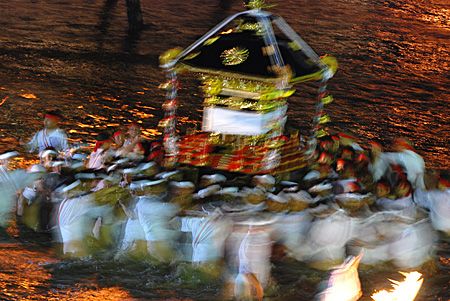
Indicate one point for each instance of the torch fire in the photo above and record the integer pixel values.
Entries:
(404, 291)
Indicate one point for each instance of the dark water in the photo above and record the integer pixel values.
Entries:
(393, 81)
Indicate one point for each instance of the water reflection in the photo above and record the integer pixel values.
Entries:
(106, 17)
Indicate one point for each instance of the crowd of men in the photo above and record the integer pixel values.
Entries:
(119, 199)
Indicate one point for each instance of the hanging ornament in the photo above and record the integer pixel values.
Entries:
(324, 119)
(327, 99)
(168, 123)
(170, 105)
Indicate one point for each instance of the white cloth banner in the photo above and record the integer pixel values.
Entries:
(232, 122)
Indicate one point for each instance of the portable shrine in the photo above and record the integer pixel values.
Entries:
(248, 65)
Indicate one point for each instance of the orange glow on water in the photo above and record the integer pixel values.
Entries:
(100, 293)
(82, 125)
(80, 132)
(444, 260)
(151, 132)
(110, 98)
(145, 107)
(3, 101)
(34, 277)
(97, 117)
(438, 17)
(28, 96)
(21, 162)
(142, 115)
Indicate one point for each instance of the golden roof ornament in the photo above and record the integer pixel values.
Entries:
(257, 4)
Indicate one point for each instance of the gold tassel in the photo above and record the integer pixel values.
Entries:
(321, 133)
(324, 119)
(327, 99)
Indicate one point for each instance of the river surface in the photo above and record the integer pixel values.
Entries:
(393, 81)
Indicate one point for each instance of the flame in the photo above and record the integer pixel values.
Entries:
(403, 291)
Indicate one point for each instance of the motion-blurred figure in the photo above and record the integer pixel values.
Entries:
(344, 284)
(136, 151)
(11, 183)
(101, 154)
(254, 259)
(412, 163)
(208, 236)
(51, 136)
(437, 200)
(154, 215)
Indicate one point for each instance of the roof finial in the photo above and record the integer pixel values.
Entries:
(256, 4)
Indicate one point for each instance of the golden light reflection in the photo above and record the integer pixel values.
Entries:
(186, 120)
(145, 107)
(23, 274)
(110, 98)
(445, 260)
(82, 133)
(3, 101)
(21, 162)
(144, 115)
(12, 229)
(114, 109)
(439, 17)
(101, 293)
(151, 132)
(18, 261)
(96, 117)
(28, 96)
(405, 291)
(82, 125)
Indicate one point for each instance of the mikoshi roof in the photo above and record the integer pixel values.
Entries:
(248, 48)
